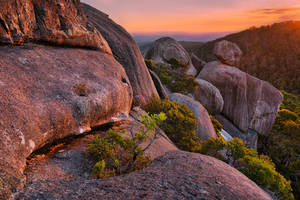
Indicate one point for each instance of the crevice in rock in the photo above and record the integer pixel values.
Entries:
(3, 25)
(39, 16)
(47, 148)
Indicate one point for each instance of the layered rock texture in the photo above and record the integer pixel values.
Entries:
(209, 96)
(45, 95)
(176, 175)
(249, 103)
(228, 52)
(60, 23)
(205, 129)
(126, 51)
(164, 49)
(70, 161)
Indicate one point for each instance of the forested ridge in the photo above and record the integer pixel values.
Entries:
(271, 53)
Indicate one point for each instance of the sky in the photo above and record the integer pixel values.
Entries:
(196, 16)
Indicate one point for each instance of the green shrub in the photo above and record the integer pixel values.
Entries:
(258, 168)
(150, 64)
(116, 154)
(174, 76)
(282, 145)
(184, 85)
(285, 114)
(180, 125)
(217, 125)
(262, 170)
(176, 64)
(290, 102)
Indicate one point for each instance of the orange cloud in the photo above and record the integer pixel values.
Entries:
(226, 21)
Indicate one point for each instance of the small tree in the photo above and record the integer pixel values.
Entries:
(118, 154)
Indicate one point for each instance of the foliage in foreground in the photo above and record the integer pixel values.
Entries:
(258, 168)
(180, 127)
(174, 76)
(283, 143)
(117, 154)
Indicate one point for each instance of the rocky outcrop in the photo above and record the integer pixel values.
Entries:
(70, 160)
(59, 23)
(164, 49)
(126, 51)
(176, 175)
(48, 93)
(162, 91)
(228, 52)
(205, 129)
(249, 103)
(209, 96)
(197, 62)
(250, 137)
(162, 143)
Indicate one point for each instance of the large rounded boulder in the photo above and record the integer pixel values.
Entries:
(249, 103)
(48, 93)
(175, 175)
(209, 96)
(126, 51)
(205, 129)
(60, 22)
(165, 49)
(228, 52)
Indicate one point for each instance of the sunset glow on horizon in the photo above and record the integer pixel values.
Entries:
(196, 16)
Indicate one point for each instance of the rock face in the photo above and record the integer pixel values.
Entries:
(228, 52)
(126, 51)
(197, 62)
(205, 129)
(249, 137)
(166, 48)
(159, 86)
(249, 103)
(70, 160)
(176, 175)
(48, 93)
(209, 96)
(60, 23)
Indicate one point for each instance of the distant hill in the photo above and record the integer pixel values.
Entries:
(145, 40)
(144, 46)
(271, 53)
(191, 46)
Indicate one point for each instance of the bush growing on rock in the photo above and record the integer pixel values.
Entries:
(117, 154)
(258, 168)
(180, 125)
(217, 125)
(174, 76)
(177, 64)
